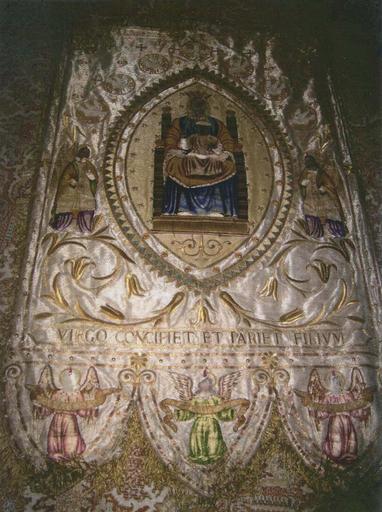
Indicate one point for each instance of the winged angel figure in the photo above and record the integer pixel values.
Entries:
(340, 407)
(65, 441)
(206, 407)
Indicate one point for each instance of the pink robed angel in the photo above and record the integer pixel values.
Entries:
(65, 441)
(340, 407)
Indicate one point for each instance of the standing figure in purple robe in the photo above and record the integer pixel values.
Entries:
(321, 203)
(199, 166)
(75, 198)
(338, 408)
(65, 405)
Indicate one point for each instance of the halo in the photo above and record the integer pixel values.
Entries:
(208, 374)
(72, 371)
(339, 376)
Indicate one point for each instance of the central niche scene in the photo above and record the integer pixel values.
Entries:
(201, 164)
(198, 174)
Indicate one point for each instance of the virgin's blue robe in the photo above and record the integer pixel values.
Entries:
(200, 200)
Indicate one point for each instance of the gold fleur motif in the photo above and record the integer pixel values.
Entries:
(133, 286)
(203, 314)
(270, 360)
(270, 288)
(138, 361)
(323, 269)
(78, 267)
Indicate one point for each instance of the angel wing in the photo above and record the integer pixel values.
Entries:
(183, 384)
(45, 387)
(227, 383)
(358, 387)
(42, 392)
(91, 383)
(94, 395)
(315, 394)
(316, 390)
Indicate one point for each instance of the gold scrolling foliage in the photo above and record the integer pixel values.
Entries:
(78, 266)
(108, 313)
(114, 316)
(193, 245)
(271, 287)
(117, 316)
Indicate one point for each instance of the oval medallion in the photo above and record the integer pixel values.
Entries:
(198, 179)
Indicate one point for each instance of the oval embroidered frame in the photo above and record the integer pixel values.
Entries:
(139, 235)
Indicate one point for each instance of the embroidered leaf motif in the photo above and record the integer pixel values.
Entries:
(342, 297)
(356, 318)
(323, 269)
(56, 243)
(203, 316)
(123, 254)
(111, 312)
(78, 267)
(60, 299)
(41, 316)
(292, 316)
(133, 286)
(57, 297)
(270, 288)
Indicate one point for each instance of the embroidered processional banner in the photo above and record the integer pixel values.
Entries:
(198, 280)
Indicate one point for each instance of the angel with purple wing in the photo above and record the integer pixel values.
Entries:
(65, 441)
(205, 407)
(340, 407)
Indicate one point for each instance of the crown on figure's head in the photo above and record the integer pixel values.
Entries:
(198, 93)
(197, 96)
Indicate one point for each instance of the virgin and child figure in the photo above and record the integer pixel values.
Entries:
(199, 166)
